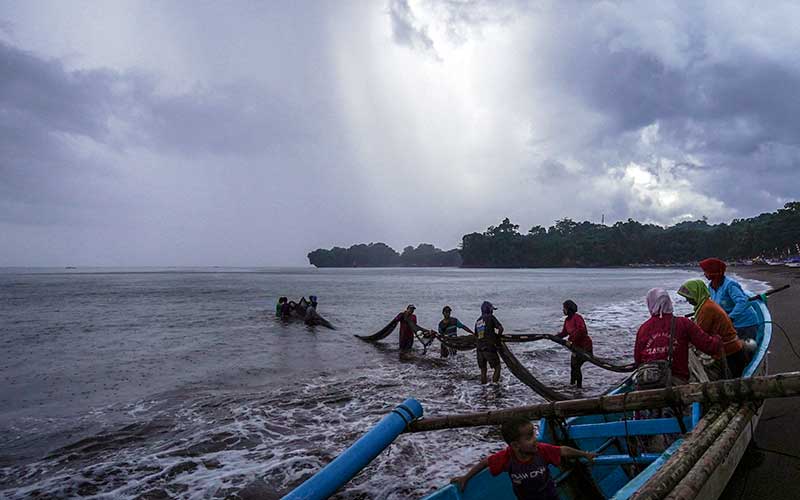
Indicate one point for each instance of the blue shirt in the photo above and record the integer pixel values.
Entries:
(732, 299)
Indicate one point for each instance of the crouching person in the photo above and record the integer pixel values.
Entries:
(526, 462)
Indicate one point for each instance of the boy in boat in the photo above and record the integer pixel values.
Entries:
(488, 330)
(577, 335)
(448, 327)
(525, 460)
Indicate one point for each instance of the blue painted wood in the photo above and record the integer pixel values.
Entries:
(482, 486)
(697, 413)
(646, 427)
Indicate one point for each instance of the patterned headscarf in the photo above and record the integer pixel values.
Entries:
(697, 291)
(658, 302)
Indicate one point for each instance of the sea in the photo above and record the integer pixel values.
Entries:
(156, 383)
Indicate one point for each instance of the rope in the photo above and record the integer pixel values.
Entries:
(786, 335)
(602, 363)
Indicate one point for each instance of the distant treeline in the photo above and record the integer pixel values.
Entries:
(382, 255)
(585, 244)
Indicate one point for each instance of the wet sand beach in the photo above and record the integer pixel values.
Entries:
(771, 469)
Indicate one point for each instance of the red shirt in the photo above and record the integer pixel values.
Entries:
(529, 479)
(652, 343)
(575, 331)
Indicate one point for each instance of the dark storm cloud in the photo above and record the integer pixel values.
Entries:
(51, 115)
(727, 121)
(736, 118)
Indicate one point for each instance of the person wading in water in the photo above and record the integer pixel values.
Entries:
(488, 330)
(448, 327)
(408, 326)
(577, 335)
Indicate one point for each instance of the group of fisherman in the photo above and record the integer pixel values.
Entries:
(723, 322)
(303, 308)
(722, 316)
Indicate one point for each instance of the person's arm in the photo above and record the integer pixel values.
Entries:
(461, 481)
(709, 344)
(499, 326)
(568, 452)
(742, 304)
(465, 328)
(564, 332)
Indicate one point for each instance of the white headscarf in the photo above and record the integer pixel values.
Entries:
(659, 302)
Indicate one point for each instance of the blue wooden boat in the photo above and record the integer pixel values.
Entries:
(609, 476)
(618, 471)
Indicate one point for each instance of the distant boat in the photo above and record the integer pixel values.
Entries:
(793, 261)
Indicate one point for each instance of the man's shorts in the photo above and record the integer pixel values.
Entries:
(488, 356)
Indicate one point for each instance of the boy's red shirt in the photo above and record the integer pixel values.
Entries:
(499, 461)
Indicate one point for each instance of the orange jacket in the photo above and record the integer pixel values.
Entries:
(714, 321)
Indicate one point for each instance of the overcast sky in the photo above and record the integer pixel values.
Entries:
(250, 133)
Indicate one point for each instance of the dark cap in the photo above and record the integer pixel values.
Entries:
(447, 308)
(411, 306)
(487, 307)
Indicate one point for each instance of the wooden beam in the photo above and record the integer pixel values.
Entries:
(722, 391)
(696, 478)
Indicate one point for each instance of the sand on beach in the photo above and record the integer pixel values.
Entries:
(771, 468)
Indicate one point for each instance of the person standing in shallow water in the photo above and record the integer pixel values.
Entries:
(577, 335)
(448, 327)
(488, 330)
(408, 326)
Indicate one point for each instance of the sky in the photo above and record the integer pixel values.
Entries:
(199, 133)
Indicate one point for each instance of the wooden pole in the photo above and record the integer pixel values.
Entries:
(684, 458)
(696, 478)
(722, 391)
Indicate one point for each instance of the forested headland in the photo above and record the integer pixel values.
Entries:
(382, 255)
(568, 243)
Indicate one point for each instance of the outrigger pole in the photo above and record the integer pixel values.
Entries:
(722, 391)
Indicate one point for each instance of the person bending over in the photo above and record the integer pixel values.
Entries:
(408, 326)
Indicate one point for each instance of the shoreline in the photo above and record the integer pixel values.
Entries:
(771, 467)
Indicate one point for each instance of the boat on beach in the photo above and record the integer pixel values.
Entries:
(701, 447)
(620, 471)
